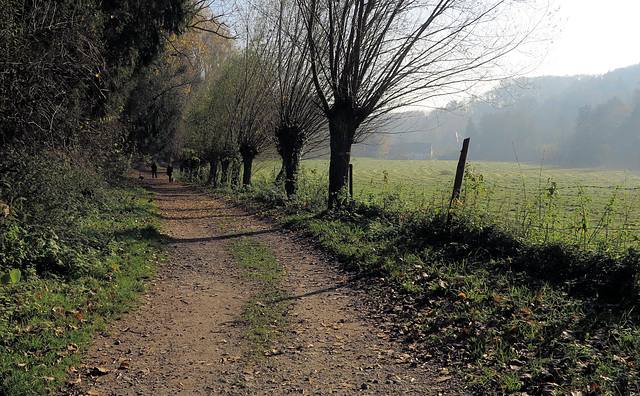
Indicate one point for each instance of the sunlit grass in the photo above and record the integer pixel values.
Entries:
(545, 203)
(265, 313)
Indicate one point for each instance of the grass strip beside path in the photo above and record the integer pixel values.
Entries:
(507, 315)
(46, 320)
(265, 313)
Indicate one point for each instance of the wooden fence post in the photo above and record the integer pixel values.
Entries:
(457, 185)
(351, 180)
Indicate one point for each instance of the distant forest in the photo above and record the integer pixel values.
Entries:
(573, 121)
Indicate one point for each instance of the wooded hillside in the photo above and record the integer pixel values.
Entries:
(576, 121)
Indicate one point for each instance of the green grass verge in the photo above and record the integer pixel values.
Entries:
(265, 314)
(591, 207)
(45, 321)
(508, 313)
(514, 317)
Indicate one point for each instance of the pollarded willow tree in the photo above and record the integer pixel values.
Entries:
(208, 128)
(251, 112)
(300, 126)
(369, 57)
(233, 115)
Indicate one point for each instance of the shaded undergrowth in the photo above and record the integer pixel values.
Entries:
(75, 277)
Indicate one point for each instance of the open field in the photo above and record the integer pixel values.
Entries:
(540, 201)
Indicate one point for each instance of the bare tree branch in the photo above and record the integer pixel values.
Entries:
(369, 57)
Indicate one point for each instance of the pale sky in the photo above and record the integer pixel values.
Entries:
(598, 36)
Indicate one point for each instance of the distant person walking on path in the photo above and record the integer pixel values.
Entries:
(154, 170)
(170, 172)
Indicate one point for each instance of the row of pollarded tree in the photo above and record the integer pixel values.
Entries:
(258, 96)
(308, 66)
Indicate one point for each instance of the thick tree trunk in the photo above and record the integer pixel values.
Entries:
(247, 165)
(291, 141)
(342, 128)
(291, 168)
(213, 171)
(225, 177)
(235, 173)
(248, 154)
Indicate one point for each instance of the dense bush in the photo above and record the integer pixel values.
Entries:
(47, 203)
(79, 274)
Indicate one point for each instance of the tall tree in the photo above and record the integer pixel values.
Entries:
(207, 130)
(300, 125)
(67, 67)
(371, 56)
(251, 111)
(155, 108)
(51, 68)
(232, 116)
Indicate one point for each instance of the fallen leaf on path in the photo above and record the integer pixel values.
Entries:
(273, 352)
(99, 371)
(75, 381)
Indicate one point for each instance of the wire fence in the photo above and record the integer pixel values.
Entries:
(589, 215)
(583, 207)
(584, 214)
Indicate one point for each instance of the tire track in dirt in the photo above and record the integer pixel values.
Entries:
(187, 337)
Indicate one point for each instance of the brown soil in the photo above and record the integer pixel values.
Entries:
(187, 336)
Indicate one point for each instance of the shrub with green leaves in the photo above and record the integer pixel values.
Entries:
(52, 312)
(45, 205)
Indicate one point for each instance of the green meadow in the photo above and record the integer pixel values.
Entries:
(538, 201)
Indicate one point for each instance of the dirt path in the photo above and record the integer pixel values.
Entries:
(187, 338)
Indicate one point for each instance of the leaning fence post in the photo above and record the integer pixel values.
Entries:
(457, 185)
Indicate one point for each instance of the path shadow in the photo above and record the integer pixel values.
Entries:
(223, 237)
(313, 293)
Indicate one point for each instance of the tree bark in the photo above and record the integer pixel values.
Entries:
(213, 171)
(247, 165)
(248, 153)
(225, 177)
(235, 173)
(291, 142)
(291, 168)
(343, 124)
